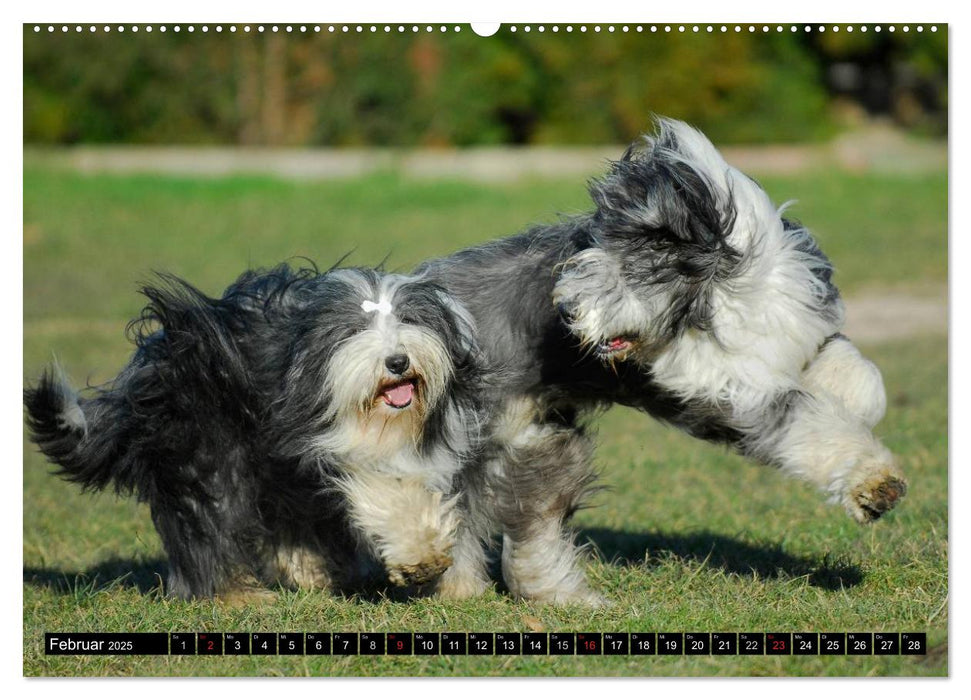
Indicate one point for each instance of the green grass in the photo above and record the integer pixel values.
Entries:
(688, 538)
(95, 237)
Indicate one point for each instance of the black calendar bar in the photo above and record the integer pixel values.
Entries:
(859, 643)
(751, 643)
(643, 643)
(99, 643)
(372, 643)
(886, 643)
(183, 643)
(486, 643)
(345, 643)
(832, 643)
(913, 643)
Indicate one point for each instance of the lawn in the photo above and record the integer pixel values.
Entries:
(687, 538)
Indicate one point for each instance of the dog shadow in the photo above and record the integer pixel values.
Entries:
(615, 547)
(715, 551)
(143, 575)
(147, 578)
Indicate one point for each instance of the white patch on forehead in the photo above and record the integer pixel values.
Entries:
(387, 288)
(383, 307)
(384, 323)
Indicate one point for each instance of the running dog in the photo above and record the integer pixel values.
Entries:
(685, 293)
(304, 429)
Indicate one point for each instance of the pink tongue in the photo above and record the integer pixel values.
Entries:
(399, 396)
(617, 343)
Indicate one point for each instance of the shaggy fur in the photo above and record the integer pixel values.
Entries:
(686, 294)
(304, 429)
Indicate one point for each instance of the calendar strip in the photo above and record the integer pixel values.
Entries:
(486, 643)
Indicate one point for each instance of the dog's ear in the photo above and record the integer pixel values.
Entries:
(670, 190)
(464, 336)
(663, 236)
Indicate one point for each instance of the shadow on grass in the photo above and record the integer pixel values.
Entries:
(718, 551)
(145, 576)
(618, 548)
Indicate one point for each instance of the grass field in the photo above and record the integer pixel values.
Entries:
(688, 538)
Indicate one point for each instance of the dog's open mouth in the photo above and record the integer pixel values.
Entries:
(614, 347)
(399, 394)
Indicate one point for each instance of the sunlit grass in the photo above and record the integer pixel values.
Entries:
(687, 538)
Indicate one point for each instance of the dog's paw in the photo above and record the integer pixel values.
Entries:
(875, 496)
(421, 572)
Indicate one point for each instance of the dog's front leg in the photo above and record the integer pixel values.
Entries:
(841, 371)
(468, 576)
(821, 439)
(410, 528)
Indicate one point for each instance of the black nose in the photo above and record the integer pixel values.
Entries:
(397, 364)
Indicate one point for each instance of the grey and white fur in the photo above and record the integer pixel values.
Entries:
(304, 429)
(685, 293)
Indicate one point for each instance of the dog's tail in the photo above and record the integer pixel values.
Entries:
(81, 436)
(194, 344)
(141, 431)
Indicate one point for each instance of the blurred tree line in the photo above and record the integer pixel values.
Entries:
(460, 89)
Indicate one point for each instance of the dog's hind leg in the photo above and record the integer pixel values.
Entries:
(196, 558)
(541, 479)
(211, 535)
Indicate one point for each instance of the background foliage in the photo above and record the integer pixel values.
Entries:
(460, 89)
